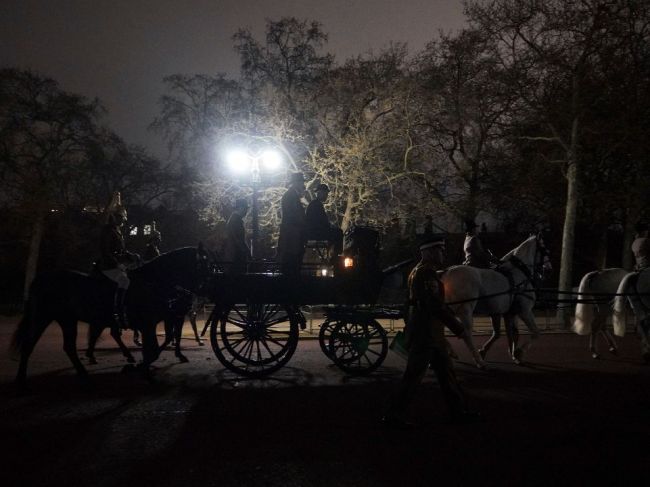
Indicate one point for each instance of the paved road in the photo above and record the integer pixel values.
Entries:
(561, 419)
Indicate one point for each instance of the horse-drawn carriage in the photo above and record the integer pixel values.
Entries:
(255, 323)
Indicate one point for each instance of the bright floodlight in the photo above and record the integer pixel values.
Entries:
(271, 159)
(238, 161)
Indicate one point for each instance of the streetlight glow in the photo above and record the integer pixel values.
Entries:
(238, 161)
(250, 163)
(271, 159)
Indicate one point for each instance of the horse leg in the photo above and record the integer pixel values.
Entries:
(36, 327)
(528, 318)
(69, 328)
(592, 344)
(150, 349)
(597, 327)
(117, 336)
(512, 335)
(465, 316)
(178, 333)
(643, 329)
(169, 336)
(94, 332)
(496, 333)
(192, 317)
(611, 343)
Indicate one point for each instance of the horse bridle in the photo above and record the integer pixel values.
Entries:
(532, 274)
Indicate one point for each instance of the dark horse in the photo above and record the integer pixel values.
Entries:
(157, 293)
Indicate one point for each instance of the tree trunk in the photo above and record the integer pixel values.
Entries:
(347, 216)
(38, 228)
(568, 242)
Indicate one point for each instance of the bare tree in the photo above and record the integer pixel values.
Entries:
(43, 136)
(469, 103)
(552, 50)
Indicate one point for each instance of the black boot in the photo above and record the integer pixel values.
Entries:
(119, 314)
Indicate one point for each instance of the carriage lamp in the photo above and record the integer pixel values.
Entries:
(348, 262)
(323, 272)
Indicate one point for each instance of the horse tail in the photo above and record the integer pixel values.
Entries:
(585, 312)
(618, 318)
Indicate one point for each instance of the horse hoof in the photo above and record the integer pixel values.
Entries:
(516, 361)
(130, 360)
(201, 343)
(517, 354)
(182, 359)
(595, 356)
(613, 350)
(482, 352)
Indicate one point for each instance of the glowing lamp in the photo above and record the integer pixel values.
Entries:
(348, 262)
(238, 161)
(271, 159)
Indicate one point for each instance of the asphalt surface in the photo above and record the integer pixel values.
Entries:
(560, 419)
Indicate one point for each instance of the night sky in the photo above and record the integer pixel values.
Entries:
(119, 50)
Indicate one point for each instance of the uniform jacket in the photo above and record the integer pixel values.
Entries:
(236, 250)
(428, 314)
(317, 225)
(641, 251)
(113, 250)
(291, 240)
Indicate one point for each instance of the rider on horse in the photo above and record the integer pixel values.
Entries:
(475, 254)
(115, 258)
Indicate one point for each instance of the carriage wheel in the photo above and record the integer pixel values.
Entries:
(324, 335)
(254, 340)
(358, 348)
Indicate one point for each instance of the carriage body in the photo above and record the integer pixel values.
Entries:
(255, 324)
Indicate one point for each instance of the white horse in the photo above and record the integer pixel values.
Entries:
(595, 294)
(635, 289)
(507, 292)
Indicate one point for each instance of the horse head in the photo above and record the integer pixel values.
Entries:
(186, 267)
(532, 254)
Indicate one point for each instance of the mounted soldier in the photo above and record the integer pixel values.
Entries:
(475, 253)
(115, 258)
